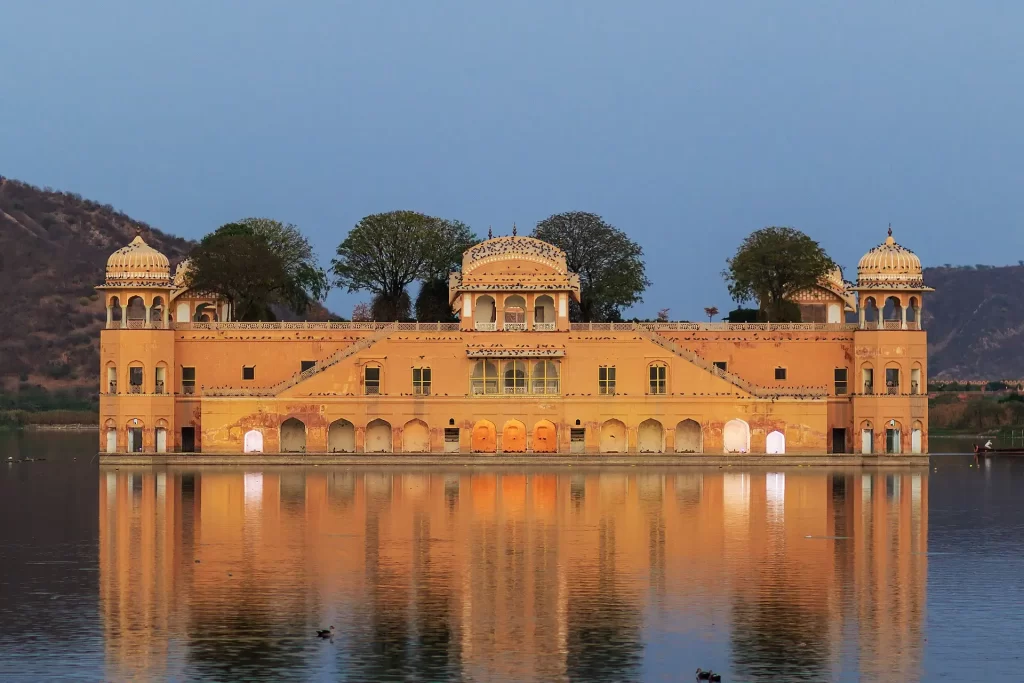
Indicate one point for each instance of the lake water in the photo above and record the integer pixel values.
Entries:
(483, 574)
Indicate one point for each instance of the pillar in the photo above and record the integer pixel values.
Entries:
(110, 315)
(860, 313)
(903, 317)
(148, 308)
(166, 313)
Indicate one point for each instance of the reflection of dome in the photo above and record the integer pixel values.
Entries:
(138, 261)
(889, 264)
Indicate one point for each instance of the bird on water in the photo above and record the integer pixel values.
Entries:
(325, 632)
(703, 675)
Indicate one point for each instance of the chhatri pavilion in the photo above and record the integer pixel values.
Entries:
(514, 375)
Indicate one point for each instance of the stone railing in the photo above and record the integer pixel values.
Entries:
(138, 325)
(485, 327)
(347, 326)
(724, 327)
(515, 327)
(544, 327)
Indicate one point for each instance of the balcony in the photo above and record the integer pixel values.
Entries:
(112, 389)
(486, 327)
(371, 390)
(869, 388)
(544, 327)
(134, 388)
(188, 389)
(515, 327)
(159, 389)
(893, 390)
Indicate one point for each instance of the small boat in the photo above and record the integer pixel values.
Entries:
(984, 450)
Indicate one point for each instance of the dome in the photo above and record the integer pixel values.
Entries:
(835, 277)
(889, 265)
(138, 262)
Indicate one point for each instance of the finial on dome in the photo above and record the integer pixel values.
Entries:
(890, 230)
(138, 231)
(490, 235)
(513, 229)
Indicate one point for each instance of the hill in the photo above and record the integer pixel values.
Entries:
(975, 322)
(53, 250)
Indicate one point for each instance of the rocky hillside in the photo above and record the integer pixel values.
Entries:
(975, 322)
(53, 248)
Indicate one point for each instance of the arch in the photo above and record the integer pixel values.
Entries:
(650, 437)
(736, 436)
(893, 310)
(416, 437)
(116, 312)
(916, 437)
(914, 310)
(775, 443)
(341, 437)
(893, 437)
(916, 376)
(893, 377)
(870, 311)
(867, 378)
(111, 378)
(293, 436)
(484, 439)
(613, 437)
(111, 434)
(834, 314)
(160, 434)
(867, 437)
(205, 313)
(135, 430)
(515, 312)
(378, 437)
(253, 441)
(513, 437)
(136, 377)
(544, 309)
(485, 311)
(689, 437)
(181, 314)
(156, 311)
(136, 308)
(545, 437)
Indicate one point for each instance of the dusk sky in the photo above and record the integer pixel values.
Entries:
(685, 124)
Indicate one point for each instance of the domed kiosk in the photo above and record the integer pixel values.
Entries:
(137, 286)
(890, 285)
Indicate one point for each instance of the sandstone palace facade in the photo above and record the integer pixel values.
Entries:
(514, 375)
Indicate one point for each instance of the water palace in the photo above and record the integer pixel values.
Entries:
(514, 375)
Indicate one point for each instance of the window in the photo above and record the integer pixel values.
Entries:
(515, 377)
(421, 381)
(840, 378)
(657, 374)
(892, 380)
(135, 380)
(112, 380)
(606, 380)
(868, 378)
(248, 372)
(545, 377)
(371, 380)
(780, 373)
(159, 380)
(188, 380)
(722, 365)
(484, 379)
(306, 365)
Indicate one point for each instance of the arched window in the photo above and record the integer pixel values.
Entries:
(867, 379)
(916, 380)
(515, 312)
(650, 437)
(136, 311)
(892, 314)
(416, 437)
(160, 378)
(156, 312)
(293, 436)
(111, 378)
(484, 315)
(114, 312)
(514, 375)
(378, 437)
(135, 378)
(892, 378)
(341, 437)
(205, 313)
(484, 378)
(544, 313)
(869, 313)
(689, 438)
(545, 377)
(253, 441)
(613, 437)
(657, 374)
(775, 443)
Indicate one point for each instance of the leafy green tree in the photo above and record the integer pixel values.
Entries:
(386, 252)
(432, 304)
(773, 263)
(610, 265)
(256, 263)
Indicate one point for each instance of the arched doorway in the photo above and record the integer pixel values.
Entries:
(513, 437)
(544, 313)
(135, 435)
(485, 438)
(160, 436)
(650, 437)
(835, 314)
(156, 311)
(293, 436)
(136, 309)
(613, 437)
(341, 437)
(916, 433)
(688, 437)
(378, 437)
(253, 441)
(515, 312)
(181, 313)
(484, 313)
(416, 437)
(736, 436)
(775, 443)
(115, 312)
(545, 437)
(111, 436)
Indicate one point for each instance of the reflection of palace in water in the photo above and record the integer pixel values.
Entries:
(484, 574)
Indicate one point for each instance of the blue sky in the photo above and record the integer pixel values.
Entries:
(686, 124)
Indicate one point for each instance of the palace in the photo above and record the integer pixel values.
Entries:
(514, 375)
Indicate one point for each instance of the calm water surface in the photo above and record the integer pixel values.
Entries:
(480, 574)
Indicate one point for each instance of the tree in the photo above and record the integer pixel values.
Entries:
(710, 312)
(609, 264)
(362, 312)
(386, 252)
(432, 303)
(663, 315)
(256, 263)
(773, 263)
